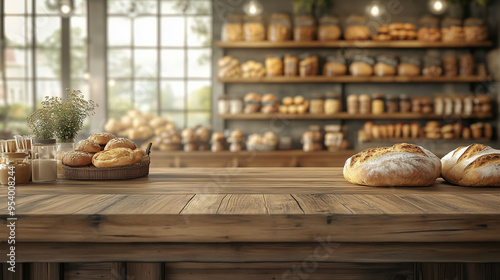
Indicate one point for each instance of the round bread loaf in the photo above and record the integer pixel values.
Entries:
(76, 159)
(138, 154)
(88, 146)
(472, 166)
(120, 143)
(400, 165)
(101, 138)
(114, 158)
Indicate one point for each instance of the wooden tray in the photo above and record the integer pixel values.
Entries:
(135, 170)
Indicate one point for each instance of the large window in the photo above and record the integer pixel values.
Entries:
(159, 59)
(33, 59)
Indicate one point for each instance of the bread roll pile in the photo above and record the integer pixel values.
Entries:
(396, 31)
(136, 125)
(294, 105)
(103, 150)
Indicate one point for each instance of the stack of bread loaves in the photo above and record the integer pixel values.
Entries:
(136, 125)
(103, 150)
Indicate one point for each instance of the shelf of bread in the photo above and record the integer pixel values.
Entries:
(352, 79)
(348, 116)
(399, 44)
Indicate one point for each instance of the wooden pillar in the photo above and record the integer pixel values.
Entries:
(145, 271)
(119, 271)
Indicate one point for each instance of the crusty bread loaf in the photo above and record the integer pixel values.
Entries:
(101, 138)
(114, 158)
(120, 143)
(77, 159)
(473, 166)
(400, 165)
(88, 146)
(138, 154)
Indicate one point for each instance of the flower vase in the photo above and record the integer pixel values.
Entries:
(62, 148)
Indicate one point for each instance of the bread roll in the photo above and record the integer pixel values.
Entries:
(101, 138)
(88, 146)
(138, 155)
(114, 158)
(472, 166)
(400, 165)
(77, 159)
(120, 143)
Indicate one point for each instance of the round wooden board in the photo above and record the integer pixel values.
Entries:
(135, 170)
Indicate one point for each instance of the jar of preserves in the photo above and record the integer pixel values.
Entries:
(356, 28)
(304, 28)
(274, 66)
(377, 103)
(385, 66)
(317, 104)
(333, 103)
(222, 105)
(450, 65)
(232, 29)
(475, 30)
(352, 104)
(291, 65)
(279, 28)
(361, 66)
(15, 169)
(409, 66)
(308, 65)
(335, 66)
(235, 105)
(429, 29)
(253, 29)
(452, 30)
(432, 67)
(416, 105)
(392, 104)
(466, 65)
(439, 105)
(329, 28)
(404, 103)
(365, 104)
(44, 160)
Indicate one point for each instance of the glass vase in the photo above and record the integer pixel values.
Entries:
(62, 148)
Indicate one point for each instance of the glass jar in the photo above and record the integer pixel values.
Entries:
(279, 28)
(235, 147)
(365, 104)
(333, 104)
(385, 66)
(291, 65)
(304, 28)
(452, 30)
(450, 65)
(253, 29)
(317, 104)
(439, 105)
(362, 66)
(404, 103)
(232, 29)
(392, 104)
(429, 29)
(352, 104)
(377, 103)
(222, 105)
(335, 66)
(44, 160)
(274, 66)
(409, 66)
(308, 65)
(63, 148)
(475, 30)
(356, 28)
(466, 65)
(329, 29)
(432, 67)
(235, 105)
(15, 169)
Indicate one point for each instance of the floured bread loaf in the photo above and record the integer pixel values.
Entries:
(400, 165)
(474, 165)
(114, 158)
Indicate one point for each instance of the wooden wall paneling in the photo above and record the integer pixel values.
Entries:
(145, 271)
(45, 271)
(87, 271)
(490, 271)
(22, 272)
(449, 271)
(119, 271)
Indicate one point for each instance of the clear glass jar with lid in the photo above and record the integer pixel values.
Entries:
(385, 66)
(377, 103)
(429, 29)
(329, 29)
(432, 67)
(222, 105)
(452, 30)
(253, 29)
(409, 66)
(279, 28)
(333, 103)
(15, 169)
(304, 28)
(357, 28)
(44, 160)
(232, 28)
(317, 104)
(475, 30)
(361, 66)
(335, 66)
(235, 105)
(290, 65)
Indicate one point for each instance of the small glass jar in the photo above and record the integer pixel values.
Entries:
(392, 104)
(222, 105)
(335, 66)
(333, 104)
(304, 28)
(466, 65)
(439, 105)
(385, 66)
(15, 169)
(44, 160)
(432, 67)
(308, 65)
(317, 104)
(475, 30)
(291, 65)
(356, 28)
(279, 28)
(235, 105)
(452, 30)
(232, 29)
(429, 29)
(353, 104)
(409, 66)
(404, 103)
(377, 103)
(274, 66)
(365, 104)
(450, 65)
(329, 29)
(253, 29)
(362, 66)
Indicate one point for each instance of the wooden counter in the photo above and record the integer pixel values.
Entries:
(257, 222)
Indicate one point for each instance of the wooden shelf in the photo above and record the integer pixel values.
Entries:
(347, 116)
(352, 44)
(351, 79)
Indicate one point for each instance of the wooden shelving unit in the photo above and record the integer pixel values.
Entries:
(347, 116)
(352, 44)
(351, 79)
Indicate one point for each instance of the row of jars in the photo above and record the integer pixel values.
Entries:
(452, 30)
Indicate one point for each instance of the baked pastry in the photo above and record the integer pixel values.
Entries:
(400, 165)
(120, 143)
(88, 146)
(138, 155)
(114, 158)
(77, 159)
(472, 166)
(101, 138)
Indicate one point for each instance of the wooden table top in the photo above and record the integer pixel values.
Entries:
(251, 205)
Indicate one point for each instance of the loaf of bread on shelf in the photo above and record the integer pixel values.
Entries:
(400, 165)
(474, 166)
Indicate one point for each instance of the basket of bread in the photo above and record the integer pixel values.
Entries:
(105, 157)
